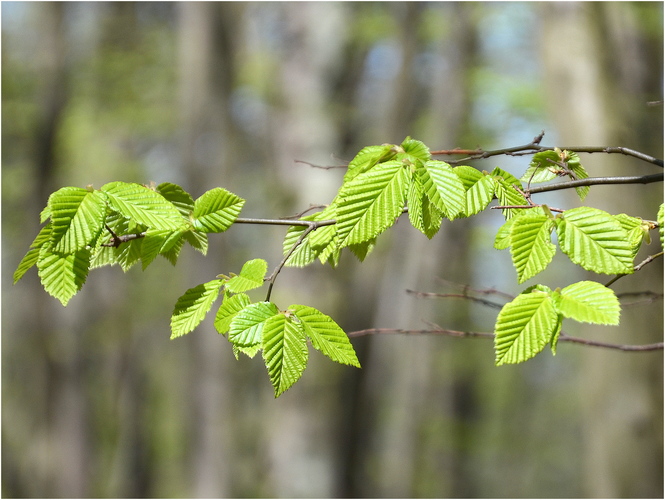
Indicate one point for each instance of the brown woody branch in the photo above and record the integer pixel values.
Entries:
(535, 147)
(658, 346)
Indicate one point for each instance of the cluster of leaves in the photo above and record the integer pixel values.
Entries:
(125, 223)
(260, 326)
(142, 222)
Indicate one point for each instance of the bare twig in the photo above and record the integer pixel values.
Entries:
(658, 346)
(535, 147)
(311, 226)
(485, 302)
(639, 266)
(323, 167)
(592, 181)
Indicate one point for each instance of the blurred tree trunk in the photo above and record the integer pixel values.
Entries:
(596, 72)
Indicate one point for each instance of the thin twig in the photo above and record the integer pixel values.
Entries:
(639, 266)
(658, 346)
(485, 302)
(311, 226)
(535, 147)
(593, 181)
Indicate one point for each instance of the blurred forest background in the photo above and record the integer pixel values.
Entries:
(98, 402)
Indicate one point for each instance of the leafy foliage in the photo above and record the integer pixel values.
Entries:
(125, 223)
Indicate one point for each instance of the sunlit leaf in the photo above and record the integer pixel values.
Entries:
(524, 326)
(443, 187)
(531, 247)
(479, 189)
(589, 302)
(216, 210)
(246, 328)
(180, 198)
(326, 335)
(595, 240)
(63, 275)
(231, 305)
(192, 306)
(368, 157)
(77, 218)
(250, 277)
(284, 351)
(371, 203)
(32, 256)
(143, 205)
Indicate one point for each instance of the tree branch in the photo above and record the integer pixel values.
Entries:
(591, 181)
(658, 346)
(535, 147)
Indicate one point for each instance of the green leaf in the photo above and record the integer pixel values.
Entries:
(543, 167)
(284, 351)
(32, 256)
(304, 254)
(63, 275)
(367, 158)
(443, 187)
(589, 302)
(231, 305)
(371, 203)
(250, 351)
(180, 198)
(594, 240)
(143, 205)
(416, 149)
(578, 172)
(198, 240)
(525, 326)
(246, 328)
(326, 335)
(216, 210)
(660, 224)
(531, 247)
(504, 190)
(192, 306)
(157, 241)
(423, 215)
(636, 229)
(479, 189)
(502, 238)
(77, 218)
(250, 277)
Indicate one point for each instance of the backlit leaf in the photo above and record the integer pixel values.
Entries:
(63, 275)
(443, 187)
(77, 218)
(326, 335)
(246, 328)
(250, 277)
(531, 247)
(216, 210)
(143, 205)
(192, 306)
(589, 302)
(524, 326)
(595, 240)
(284, 351)
(231, 305)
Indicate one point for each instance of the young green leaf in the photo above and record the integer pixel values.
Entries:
(143, 205)
(231, 305)
(371, 203)
(180, 198)
(504, 190)
(531, 247)
(577, 171)
(157, 241)
(216, 210)
(250, 277)
(423, 215)
(368, 157)
(635, 229)
(416, 149)
(525, 326)
(284, 352)
(502, 238)
(589, 302)
(77, 218)
(250, 351)
(198, 240)
(594, 240)
(659, 218)
(63, 275)
(543, 167)
(303, 255)
(246, 327)
(479, 189)
(443, 187)
(326, 335)
(192, 306)
(31, 258)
